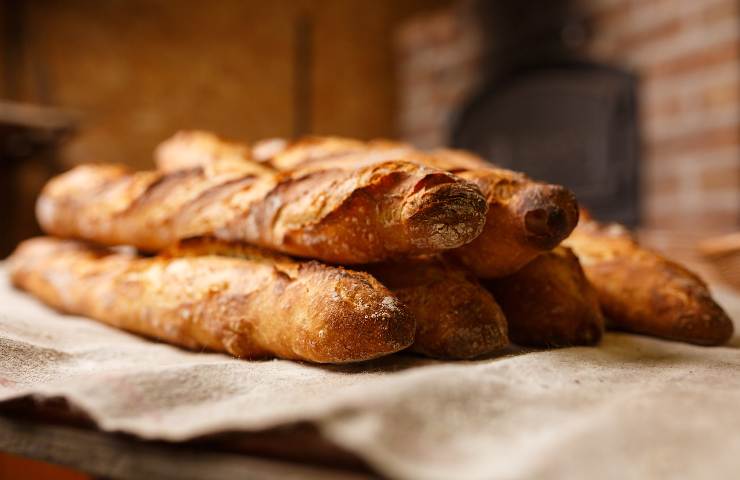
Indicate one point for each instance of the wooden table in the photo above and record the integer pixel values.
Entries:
(54, 436)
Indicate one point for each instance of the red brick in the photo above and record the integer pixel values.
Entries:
(698, 141)
(658, 33)
(724, 178)
(426, 31)
(665, 108)
(662, 184)
(719, 11)
(705, 100)
(707, 219)
(714, 55)
(722, 95)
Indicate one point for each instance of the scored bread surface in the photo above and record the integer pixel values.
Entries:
(348, 216)
(254, 307)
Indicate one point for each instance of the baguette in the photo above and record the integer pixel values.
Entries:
(550, 303)
(455, 316)
(525, 218)
(350, 216)
(643, 292)
(254, 307)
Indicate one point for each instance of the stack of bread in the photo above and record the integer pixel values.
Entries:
(334, 250)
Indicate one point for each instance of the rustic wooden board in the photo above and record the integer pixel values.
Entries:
(121, 457)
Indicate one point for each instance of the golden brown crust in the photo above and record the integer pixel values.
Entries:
(525, 218)
(642, 292)
(350, 216)
(453, 160)
(456, 317)
(550, 303)
(191, 149)
(263, 151)
(255, 307)
(337, 152)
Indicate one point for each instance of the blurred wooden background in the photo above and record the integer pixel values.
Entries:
(139, 70)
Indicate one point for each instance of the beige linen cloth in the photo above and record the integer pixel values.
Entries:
(634, 407)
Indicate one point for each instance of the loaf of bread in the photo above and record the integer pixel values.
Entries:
(525, 218)
(456, 317)
(550, 303)
(350, 216)
(642, 292)
(252, 307)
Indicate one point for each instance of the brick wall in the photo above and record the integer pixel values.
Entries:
(686, 54)
(439, 62)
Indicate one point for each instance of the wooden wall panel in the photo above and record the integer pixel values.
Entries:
(138, 70)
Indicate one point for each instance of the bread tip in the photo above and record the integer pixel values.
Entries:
(361, 319)
(711, 328)
(447, 216)
(550, 214)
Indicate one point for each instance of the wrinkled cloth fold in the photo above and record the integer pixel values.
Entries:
(634, 407)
